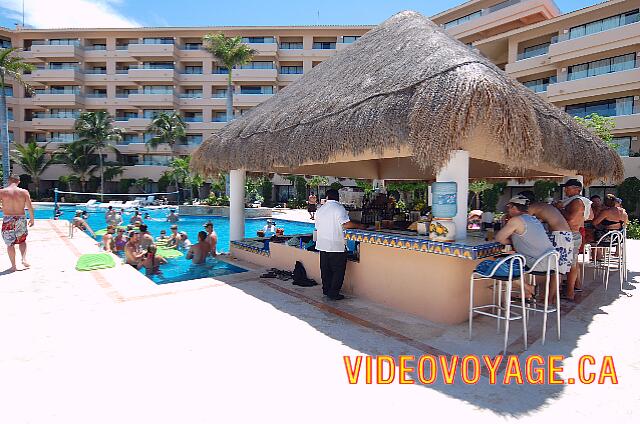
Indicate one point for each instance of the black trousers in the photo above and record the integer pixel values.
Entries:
(332, 268)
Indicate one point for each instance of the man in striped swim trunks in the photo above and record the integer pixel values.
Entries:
(14, 222)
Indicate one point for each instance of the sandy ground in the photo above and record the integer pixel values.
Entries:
(112, 347)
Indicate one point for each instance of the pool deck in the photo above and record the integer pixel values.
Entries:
(110, 346)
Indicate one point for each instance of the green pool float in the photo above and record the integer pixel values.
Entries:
(93, 261)
(168, 253)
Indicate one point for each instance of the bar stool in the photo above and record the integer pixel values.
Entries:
(495, 309)
(552, 259)
(612, 240)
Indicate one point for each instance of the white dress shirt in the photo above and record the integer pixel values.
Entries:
(329, 220)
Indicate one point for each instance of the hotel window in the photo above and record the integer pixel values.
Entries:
(220, 70)
(62, 137)
(219, 93)
(192, 93)
(161, 40)
(158, 160)
(464, 19)
(193, 70)
(257, 89)
(97, 47)
(10, 114)
(63, 113)
(291, 45)
(348, 39)
(613, 107)
(64, 65)
(219, 117)
(8, 91)
(192, 46)
(286, 70)
(5, 44)
(192, 116)
(129, 138)
(125, 116)
(151, 113)
(623, 145)
(64, 42)
(604, 66)
(259, 40)
(194, 139)
(157, 65)
(604, 24)
(324, 45)
(533, 51)
(257, 65)
(157, 89)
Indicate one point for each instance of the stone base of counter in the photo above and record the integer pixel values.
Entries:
(203, 210)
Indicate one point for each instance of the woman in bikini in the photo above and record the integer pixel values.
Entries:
(609, 218)
(119, 241)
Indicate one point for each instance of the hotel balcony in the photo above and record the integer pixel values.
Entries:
(49, 98)
(240, 75)
(154, 172)
(62, 51)
(530, 66)
(264, 49)
(199, 126)
(93, 52)
(627, 123)
(186, 78)
(502, 17)
(250, 99)
(289, 77)
(149, 99)
(631, 166)
(137, 147)
(136, 124)
(95, 75)
(614, 82)
(54, 121)
(571, 49)
(153, 51)
(193, 100)
(56, 75)
(143, 74)
(193, 53)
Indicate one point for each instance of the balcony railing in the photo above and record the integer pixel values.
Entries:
(125, 118)
(190, 95)
(598, 26)
(96, 95)
(191, 46)
(125, 95)
(122, 47)
(536, 51)
(95, 71)
(482, 12)
(96, 47)
(65, 115)
(258, 65)
(166, 67)
(193, 119)
(323, 45)
(220, 71)
(291, 45)
(37, 92)
(219, 119)
(219, 95)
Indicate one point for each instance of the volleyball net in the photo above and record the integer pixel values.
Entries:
(116, 200)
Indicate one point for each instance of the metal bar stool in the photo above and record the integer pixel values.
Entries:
(552, 259)
(612, 240)
(496, 309)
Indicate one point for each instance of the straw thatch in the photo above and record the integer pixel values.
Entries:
(405, 83)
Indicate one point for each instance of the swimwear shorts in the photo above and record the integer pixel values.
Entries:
(577, 243)
(14, 229)
(563, 243)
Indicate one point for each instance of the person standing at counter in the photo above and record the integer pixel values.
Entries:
(331, 221)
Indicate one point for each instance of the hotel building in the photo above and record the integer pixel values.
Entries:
(583, 61)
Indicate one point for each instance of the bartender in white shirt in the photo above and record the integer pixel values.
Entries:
(331, 221)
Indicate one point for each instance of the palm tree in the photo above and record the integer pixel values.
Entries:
(167, 129)
(231, 52)
(79, 158)
(96, 130)
(11, 66)
(477, 188)
(33, 160)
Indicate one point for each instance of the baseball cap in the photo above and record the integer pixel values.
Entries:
(174, 227)
(572, 182)
(519, 200)
(208, 224)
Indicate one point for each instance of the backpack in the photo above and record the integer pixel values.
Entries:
(300, 276)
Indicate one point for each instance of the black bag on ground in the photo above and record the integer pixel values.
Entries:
(300, 276)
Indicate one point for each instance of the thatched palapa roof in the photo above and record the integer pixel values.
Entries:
(410, 88)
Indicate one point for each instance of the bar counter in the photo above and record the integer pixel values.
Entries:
(399, 269)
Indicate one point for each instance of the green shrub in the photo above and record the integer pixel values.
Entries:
(214, 200)
(633, 229)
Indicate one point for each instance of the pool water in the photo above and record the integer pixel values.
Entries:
(181, 269)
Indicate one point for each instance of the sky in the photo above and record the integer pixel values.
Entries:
(132, 13)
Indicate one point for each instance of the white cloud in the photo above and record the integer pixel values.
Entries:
(68, 13)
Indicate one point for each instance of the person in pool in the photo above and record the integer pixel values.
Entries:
(146, 239)
(79, 222)
(183, 241)
(198, 252)
(151, 261)
(174, 238)
(132, 251)
(120, 240)
(136, 218)
(172, 217)
(108, 241)
(212, 238)
(163, 236)
(147, 216)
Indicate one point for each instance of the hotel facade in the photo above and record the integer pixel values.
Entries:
(583, 61)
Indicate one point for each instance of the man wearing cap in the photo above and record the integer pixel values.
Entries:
(576, 210)
(212, 238)
(525, 233)
(14, 222)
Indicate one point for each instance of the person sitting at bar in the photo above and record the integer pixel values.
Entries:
(331, 221)
(526, 234)
(609, 218)
(558, 228)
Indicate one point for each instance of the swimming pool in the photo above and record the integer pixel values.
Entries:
(181, 269)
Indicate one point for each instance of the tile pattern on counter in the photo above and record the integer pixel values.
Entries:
(460, 250)
(253, 246)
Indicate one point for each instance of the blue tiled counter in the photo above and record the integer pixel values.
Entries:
(471, 248)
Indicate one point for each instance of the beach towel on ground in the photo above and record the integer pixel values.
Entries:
(93, 261)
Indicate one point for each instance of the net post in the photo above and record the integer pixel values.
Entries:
(55, 202)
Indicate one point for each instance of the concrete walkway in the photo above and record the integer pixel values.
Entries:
(112, 347)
